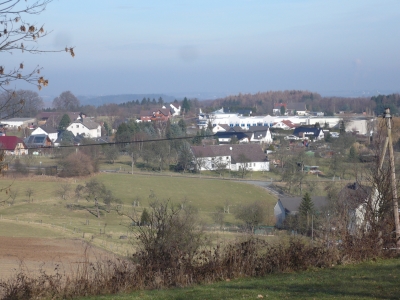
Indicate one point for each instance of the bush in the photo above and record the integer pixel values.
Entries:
(77, 164)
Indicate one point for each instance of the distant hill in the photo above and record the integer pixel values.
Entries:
(117, 99)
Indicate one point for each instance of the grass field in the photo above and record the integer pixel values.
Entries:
(48, 215)
(372, 280)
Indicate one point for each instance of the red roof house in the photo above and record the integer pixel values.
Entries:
(13, 145)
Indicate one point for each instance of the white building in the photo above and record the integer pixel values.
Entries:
(231, 157)
(48, 130)
(18, 122)
(86, 127)
(235, 119)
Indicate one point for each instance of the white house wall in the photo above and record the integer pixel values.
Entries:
(209, 163)
(52, 136)
(79, 128)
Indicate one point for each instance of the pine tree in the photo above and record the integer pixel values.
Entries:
(306, 205)
(306, 210)
(186, 105)
(64, 122)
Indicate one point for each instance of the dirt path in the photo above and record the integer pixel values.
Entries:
(46, 254)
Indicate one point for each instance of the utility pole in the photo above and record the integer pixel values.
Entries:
(389, 143)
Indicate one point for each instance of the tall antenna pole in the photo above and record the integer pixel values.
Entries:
(388, 120)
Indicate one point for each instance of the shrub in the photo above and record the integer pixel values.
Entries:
(77, 164)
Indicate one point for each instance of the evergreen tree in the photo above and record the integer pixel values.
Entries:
(306, 210)
(160, 101)
(306, 205)
(342, 127)
(182, 126)
(352, 154)
(168, 132)
(64, 122)
(107, 129)
(186, 104)
(283, 110)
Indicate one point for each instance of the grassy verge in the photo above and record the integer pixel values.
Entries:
(372, 280)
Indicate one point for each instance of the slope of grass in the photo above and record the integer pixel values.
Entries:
(49, 216)
(372, 280)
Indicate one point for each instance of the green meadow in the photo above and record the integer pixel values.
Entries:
(50, 216)
(370, 280)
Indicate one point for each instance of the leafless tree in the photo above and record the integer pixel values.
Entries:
(66, 102)
(244, 165)
(19, 35)
(29, 193)
(76, 164)
(252, 214)
(219, 165)
(64, 191)
(13, 195)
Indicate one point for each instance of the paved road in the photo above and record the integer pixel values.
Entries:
(264, 184)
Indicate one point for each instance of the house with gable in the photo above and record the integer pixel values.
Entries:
(160, 115)
(309, 132)
(231, 157)
(287, 206)
(221, 128)
(48, 130)
(13, 145)
(226, 137)
(298, 109)
(175, 111)
(38, 141)
(284, 124)
(86, 127)
(260, 135)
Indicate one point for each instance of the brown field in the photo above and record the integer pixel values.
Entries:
(50, 255)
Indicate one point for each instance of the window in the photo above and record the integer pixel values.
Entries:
(77, 126)
(227, 158)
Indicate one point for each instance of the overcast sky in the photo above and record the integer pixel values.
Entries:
(220, 46)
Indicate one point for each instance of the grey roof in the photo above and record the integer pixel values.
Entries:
(229, 134)
(292, 204)
(237, 129)
(48, 128)
(225, 126)
(89, 123)
(260, 132)
(296, 106)
(301, 129)
(252, 152)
